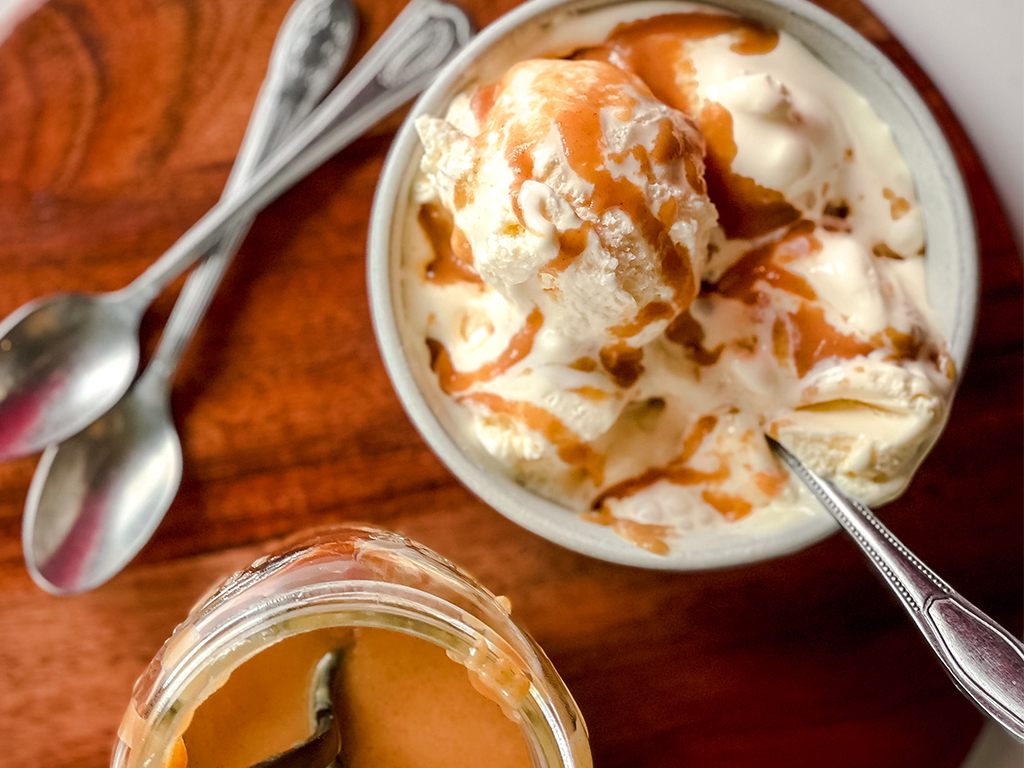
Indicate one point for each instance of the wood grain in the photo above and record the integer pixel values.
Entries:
(119, 121)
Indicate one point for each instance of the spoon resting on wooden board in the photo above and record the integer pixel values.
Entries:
(66, 359)
(98, 496)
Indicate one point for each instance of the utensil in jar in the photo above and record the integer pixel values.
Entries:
(985, 661)
(321, 749)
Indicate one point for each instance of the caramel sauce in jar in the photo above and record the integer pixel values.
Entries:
(433, 671)
(399, 701)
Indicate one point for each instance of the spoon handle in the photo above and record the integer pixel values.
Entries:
(310, 50)
(421, 40)
(985, 661)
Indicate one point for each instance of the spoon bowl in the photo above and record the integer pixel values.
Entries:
(64, 360)
(96, 498)
(102, 493)
(421, 41)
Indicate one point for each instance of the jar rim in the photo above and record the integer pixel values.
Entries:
(225, 630)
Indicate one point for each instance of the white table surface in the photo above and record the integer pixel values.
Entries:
(974, 52)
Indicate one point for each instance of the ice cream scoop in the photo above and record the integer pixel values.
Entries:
(630, 260)
(573, 190)
(569, 204)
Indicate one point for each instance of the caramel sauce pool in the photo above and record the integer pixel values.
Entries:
(399, 700)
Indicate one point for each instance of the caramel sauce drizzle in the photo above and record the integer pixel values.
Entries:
(575, 112)
(745, 209)
(689, 334)
(585, 364)
(771, 484)
(570, 448)
(898, 206)
(453, 257)
(741, 279)
(519, 347)
(780, 341)
(675, 471)
(571, 244)
(646, 45)
(594, 394)
(677, 475)
(915, 346)
(883, 251)
(906, 346)
(649, 313)
(814, 340)
(623, 363)
(649, 536)
(732, 508)
(483, 100)
(804, 336)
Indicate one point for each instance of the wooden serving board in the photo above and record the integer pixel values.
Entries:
(119, 121)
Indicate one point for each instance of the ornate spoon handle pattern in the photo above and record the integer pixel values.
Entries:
(984, 660)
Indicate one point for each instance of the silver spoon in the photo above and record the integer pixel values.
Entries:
(321, 749)
(984, 660)
(97, 497)
(65, 359)
(133, 449)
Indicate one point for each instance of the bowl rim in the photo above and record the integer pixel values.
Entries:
(542, 516)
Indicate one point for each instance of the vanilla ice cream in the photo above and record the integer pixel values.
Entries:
(629, 263)
(577, 200)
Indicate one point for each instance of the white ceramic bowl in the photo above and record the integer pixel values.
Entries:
(952, 261)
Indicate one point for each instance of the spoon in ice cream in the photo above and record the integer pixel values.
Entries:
(65, 359)
(985, 661)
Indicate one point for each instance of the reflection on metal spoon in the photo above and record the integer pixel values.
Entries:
(97, 497)
(65, 359)
(985, 661)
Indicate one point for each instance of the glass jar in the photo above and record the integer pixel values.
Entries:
(352, 577)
